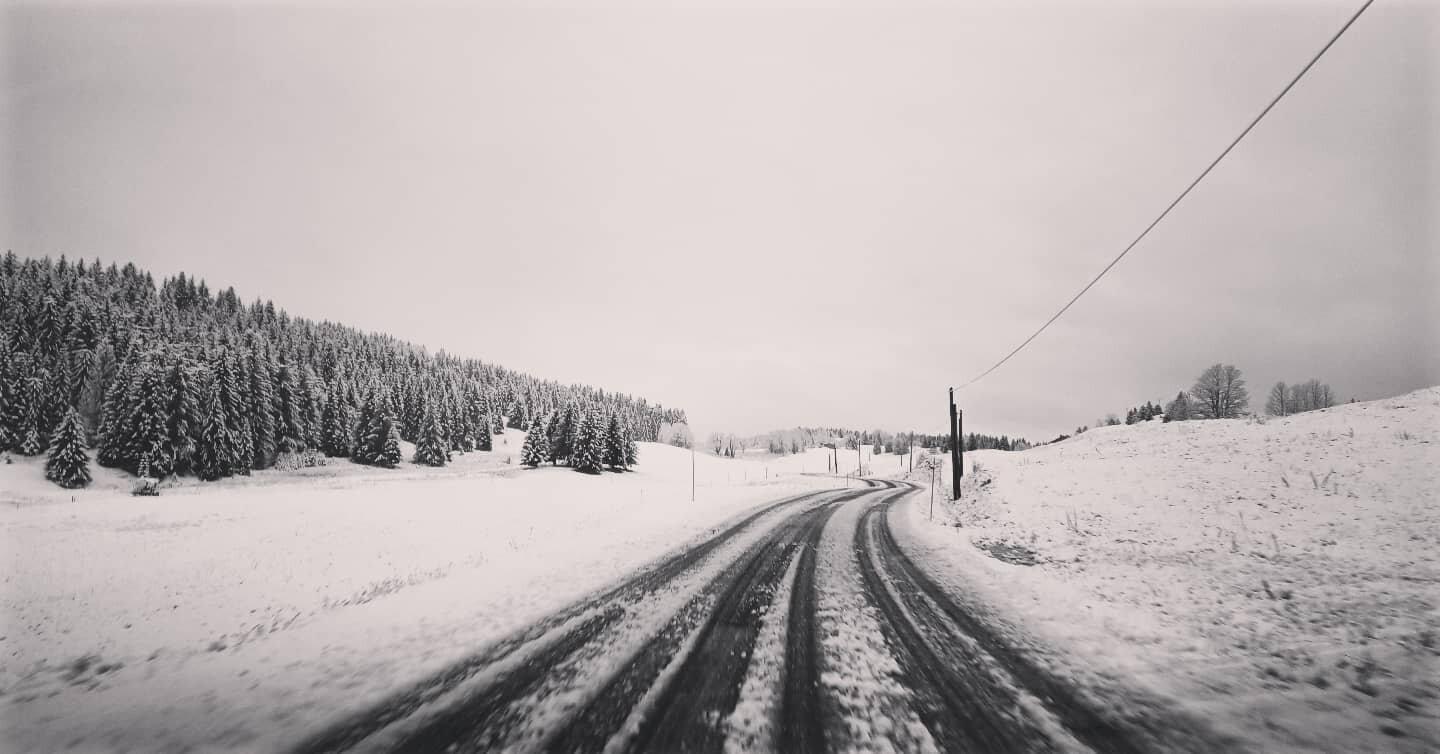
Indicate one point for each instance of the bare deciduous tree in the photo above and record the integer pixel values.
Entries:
(1312, 396)
(1279, 403)
(1220, 393)
(1285, 400)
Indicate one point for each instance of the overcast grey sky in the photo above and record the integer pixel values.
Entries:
(821, 214)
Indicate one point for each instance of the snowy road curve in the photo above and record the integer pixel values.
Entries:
(802, 627)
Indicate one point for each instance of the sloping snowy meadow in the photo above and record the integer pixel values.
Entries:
(1280, 577)
(237, 615)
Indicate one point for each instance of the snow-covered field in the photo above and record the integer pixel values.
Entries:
(240, 614)
(1279, 578)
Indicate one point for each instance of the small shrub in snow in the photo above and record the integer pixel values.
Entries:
(145, 486)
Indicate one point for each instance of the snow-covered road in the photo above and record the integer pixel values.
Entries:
(801, 627)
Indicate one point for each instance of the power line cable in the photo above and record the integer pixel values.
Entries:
(1182, 195)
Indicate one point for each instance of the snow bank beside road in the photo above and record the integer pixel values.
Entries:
(1282, 579)
(240, 615)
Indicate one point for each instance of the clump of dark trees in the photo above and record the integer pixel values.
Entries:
(176, 379)
(587, 439)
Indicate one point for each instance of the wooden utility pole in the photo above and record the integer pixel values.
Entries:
(859, 459)
(692, 472)
(954, 447)
(932, 492)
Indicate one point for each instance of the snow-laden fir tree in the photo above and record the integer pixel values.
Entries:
(462, 438)
(183, 417)
(482, 435)
(388, 455)
(292, 426)
(380, 445)
(335, 436)
(431, 449)
(614, 444)
(553, 435)
(537, 445)
(632, 451)
(264, 419)
(588, 453)
(11, 412)
(361, 444)
(31, 441)
(215, 454)
(517, 416)
(68, 465)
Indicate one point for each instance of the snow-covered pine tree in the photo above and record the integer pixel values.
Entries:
(431, 450)
(182, 417)
(215, 454)
(32, 443)
(149, 437)
(462, 437)
(230, 382)
(264, 424)
(482, 435)
(380, 445)
(335, 437)
(588, 453)
(574, 416)
(290, 399)
(614, 444)
(312, 407)
(68, 464)
(537, 446)
(632, 451)
(12, 413)
(1179, 409)
(388, 454)
(553, 435)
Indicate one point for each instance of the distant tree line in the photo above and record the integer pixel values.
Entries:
(176, 379)
(798, 439)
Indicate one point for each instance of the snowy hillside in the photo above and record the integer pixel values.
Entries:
(1281, 578)
(271, 602)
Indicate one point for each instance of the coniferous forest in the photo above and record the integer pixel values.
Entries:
(177, 379)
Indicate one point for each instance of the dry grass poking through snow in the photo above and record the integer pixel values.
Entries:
(1281, 576)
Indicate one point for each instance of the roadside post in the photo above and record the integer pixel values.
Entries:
(954, 447)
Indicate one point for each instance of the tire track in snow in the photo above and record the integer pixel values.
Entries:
(689, 713)
(860, 701)
(973, 692)
(552, 638)
(676, 694)
(754, 724)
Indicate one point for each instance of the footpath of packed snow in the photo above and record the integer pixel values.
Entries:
(240, 614)
(1278, 578)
